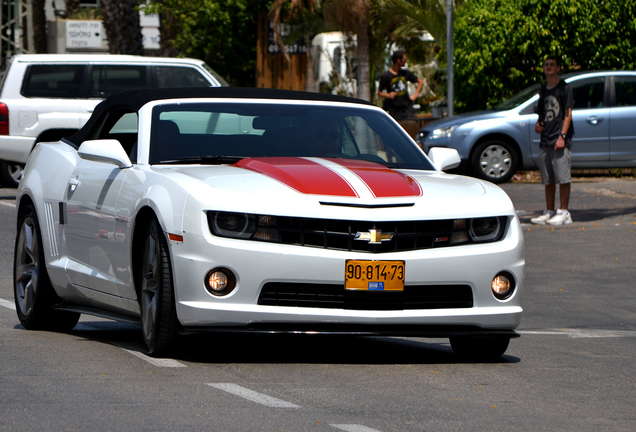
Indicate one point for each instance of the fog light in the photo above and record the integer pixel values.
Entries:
(503, 286)
(220, 282)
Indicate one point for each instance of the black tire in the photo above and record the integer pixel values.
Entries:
(476, 348)
(495, 161)
(10, 173)
(33, 292)
(156, 295)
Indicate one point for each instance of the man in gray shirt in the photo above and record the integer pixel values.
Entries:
(555, 158)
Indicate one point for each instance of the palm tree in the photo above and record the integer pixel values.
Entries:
(352, 17)
(348, 16)
(309, 23)
(429, 15)
(121, 22)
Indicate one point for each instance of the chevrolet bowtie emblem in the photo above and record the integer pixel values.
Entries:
(373, 236)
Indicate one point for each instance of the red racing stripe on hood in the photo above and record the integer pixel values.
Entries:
(382, 181)
(300, 174)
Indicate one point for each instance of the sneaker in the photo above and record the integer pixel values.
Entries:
(546, 216)
(562, 217)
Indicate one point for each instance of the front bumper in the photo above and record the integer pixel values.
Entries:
(256, 264)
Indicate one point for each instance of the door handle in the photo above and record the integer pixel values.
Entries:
(594, 120)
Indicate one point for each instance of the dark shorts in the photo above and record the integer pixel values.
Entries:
(555, 165)
(402, 113)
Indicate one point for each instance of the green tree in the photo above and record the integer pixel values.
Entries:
(500, 44)
(220, 32)
(429, 15)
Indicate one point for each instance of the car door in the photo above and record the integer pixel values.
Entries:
(623, 119)
(96, 236)
(591, 120)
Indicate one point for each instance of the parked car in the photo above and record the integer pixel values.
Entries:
(494, 144)
(257, 210)
(45, 97)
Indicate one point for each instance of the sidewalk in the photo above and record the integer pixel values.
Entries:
(591, 198)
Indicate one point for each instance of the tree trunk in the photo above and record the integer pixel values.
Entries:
(121, 22)
(39, 27)
(310, 81)
(167, 32)
(362, 52)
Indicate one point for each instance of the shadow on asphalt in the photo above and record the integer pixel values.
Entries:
(227, 348)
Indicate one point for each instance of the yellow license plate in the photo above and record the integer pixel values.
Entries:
(369, 275)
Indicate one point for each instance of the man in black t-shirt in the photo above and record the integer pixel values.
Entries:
(393, 88)
(555, 158)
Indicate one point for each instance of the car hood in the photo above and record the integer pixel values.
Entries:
(306, 183)
(463, 118)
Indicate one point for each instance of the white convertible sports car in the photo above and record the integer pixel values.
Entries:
(252, 210)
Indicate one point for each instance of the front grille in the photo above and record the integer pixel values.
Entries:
(326, 296)
(340, 234)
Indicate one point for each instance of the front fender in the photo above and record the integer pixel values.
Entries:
(467, 136)
(45, 177)
(166, 198)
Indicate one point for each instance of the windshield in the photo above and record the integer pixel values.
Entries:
(519, 98)
(225, 132)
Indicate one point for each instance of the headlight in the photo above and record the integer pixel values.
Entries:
(486, 229)
(478, 230)
(243, 226)
(444, 132)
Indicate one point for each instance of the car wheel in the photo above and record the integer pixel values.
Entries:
(156, 300)
(479, 348)
(10, 173)
(33, 292)
(495, 161)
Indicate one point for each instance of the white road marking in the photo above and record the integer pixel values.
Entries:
(7, 304)
(159, 362)
(8, 203)
(581, 333)
(353, 428)
(252, 395)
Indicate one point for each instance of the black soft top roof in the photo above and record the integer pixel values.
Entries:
(133, 100)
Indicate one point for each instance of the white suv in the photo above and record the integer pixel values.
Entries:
(46, 97)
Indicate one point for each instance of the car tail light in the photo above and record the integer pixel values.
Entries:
(4, 119)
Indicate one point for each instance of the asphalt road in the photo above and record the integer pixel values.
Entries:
(571, 370)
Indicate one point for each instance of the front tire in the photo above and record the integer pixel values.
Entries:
(156, 296)
(495, 161)
(33, 291)
(479, 348)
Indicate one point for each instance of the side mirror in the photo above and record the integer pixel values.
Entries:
(444, 158)
(105, 150)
